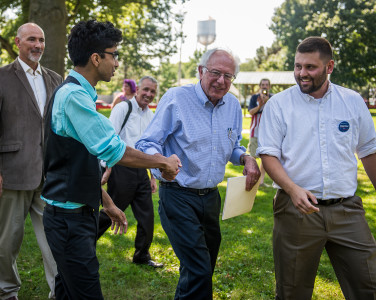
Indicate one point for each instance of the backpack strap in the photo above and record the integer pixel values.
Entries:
(128, 114)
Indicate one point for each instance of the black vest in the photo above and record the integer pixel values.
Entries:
(71, 172)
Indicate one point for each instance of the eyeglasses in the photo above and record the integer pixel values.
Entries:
(114, 54)
(216, 74)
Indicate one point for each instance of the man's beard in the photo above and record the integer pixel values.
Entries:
(317, 82)
(34, 58)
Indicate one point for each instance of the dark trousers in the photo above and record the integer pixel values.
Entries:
(132, 186)
(299, 240)
(72, 239)
(191, 223)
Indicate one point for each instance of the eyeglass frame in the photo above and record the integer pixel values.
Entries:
(216, 74)
(114, 54)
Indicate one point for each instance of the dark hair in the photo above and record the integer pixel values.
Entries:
(264, 79)
(88, 37)
(316, 44)
(131, 83)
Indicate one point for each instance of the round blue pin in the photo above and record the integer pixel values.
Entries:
(344, 126)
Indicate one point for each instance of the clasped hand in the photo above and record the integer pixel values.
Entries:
(172, 167)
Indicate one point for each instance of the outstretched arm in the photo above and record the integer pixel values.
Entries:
(137, 159)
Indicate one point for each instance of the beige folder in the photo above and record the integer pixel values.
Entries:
(238, 201)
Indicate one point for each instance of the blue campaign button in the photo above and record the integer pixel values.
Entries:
(344, 126)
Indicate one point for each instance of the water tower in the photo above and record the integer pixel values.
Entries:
(206, 32)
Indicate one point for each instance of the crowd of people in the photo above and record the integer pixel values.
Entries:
(53, 141)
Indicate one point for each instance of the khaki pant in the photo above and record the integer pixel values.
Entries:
(14, 207)
(299, 240)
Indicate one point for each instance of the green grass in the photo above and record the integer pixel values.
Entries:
(245, 264)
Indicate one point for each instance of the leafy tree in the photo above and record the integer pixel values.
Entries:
(166, 76)
(348, 24)
(271, 58)
(189, 68)
(248, 66)
(146, 26)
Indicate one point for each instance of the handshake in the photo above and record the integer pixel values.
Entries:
(171, 169)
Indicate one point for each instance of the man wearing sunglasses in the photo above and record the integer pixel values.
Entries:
(202, 124)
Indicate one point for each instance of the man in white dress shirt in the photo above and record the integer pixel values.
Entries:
(132, 186)
(25, 89)
(308, 138)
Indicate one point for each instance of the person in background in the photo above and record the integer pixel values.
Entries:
(128, 92)
(202, 124)
(255, 107)
(132, 185)
(25, 90)
(76, 137)
(308, 138)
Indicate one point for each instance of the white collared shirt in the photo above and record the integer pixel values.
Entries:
(36, 81)
(138, 121)
(316, 139)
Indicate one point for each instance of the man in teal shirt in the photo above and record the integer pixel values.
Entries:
(76, 137)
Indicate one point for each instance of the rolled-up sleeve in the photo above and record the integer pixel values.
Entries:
(270, 134)
(367, 135)
(93, 129)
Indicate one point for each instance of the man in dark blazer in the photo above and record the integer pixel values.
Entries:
(25, 89)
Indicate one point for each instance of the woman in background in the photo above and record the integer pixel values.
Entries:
(129, 90)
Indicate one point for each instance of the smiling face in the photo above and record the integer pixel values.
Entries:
(311, 73)
(146, 92)
(30, 42)
(215, 88)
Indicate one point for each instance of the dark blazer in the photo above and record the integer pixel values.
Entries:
(21, 127)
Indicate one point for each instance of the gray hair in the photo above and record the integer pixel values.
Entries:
(206, 56)
(152, 79)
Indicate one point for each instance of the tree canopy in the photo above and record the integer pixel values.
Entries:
(146, 26)
(349, 25)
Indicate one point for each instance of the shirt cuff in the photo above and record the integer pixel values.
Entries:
(268, 151)
(235, 156)
(151, 151)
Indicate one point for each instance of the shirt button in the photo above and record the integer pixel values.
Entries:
(214, 148)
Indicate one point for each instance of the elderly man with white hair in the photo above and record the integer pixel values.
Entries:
(202, 124)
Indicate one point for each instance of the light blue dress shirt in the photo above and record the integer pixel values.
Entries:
(74, 115)
(205, 137)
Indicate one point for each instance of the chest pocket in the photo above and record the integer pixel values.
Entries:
(230, 140)
(343, 132)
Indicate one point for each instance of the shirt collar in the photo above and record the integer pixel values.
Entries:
(28, 69)
(85, 84)
(309, 98)
(202, 96)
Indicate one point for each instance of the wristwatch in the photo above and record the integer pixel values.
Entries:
(242, 158)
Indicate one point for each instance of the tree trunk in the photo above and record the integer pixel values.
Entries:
(51, 15)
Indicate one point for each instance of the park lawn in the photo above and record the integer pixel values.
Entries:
(245, 263)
